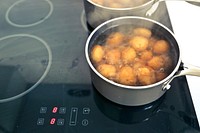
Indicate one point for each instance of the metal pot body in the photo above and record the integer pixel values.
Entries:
(96, 14)
(126, 96)
(131, 95)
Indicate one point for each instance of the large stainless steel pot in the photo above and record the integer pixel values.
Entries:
(136, 95)
(97, 14)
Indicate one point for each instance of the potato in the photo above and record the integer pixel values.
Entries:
(152, 42)
(138, 63)
(157, 62)
(146, 55)
(146, 75)
(97, 53)
(125, 2)
(127, 76)
(113, 56)
(142, 32)
(161, 47)
(128, 55)
(115, 39)
(115, 5)
(108, 71)
(139, 43)
(119, 3)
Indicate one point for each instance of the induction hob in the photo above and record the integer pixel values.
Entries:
(45, 79)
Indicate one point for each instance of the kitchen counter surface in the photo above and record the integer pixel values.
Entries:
(186, 25)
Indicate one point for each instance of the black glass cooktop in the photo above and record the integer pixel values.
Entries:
(45, 84)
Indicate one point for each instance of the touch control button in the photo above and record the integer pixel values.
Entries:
(43, 110)
(60, 122)
(85, 122)
(62, 110)
(73, 116)
(40, 121)
(86, 110)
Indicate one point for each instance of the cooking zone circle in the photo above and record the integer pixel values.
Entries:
(127, 114)
(27, 13)
(25, 61)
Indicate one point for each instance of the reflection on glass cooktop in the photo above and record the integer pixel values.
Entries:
(42, 47)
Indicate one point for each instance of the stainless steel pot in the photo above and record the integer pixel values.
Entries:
(97, 14)
(136, 95)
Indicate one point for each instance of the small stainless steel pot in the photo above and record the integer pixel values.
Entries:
(97, 14)
(137, 95)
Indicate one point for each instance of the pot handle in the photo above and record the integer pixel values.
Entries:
(153, 8)
(186, 70)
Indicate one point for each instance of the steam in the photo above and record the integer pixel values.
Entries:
(99, 14)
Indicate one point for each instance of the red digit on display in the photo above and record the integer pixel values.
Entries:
(55, 109)
(53, 121)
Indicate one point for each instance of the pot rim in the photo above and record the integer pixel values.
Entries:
(128, 86)
(121, 9)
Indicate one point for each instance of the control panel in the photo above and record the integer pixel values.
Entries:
(59, 116)
(58, 108)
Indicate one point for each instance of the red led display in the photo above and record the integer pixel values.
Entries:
(53, 121)
(54, 110)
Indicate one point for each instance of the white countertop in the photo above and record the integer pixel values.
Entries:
(185, 19)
